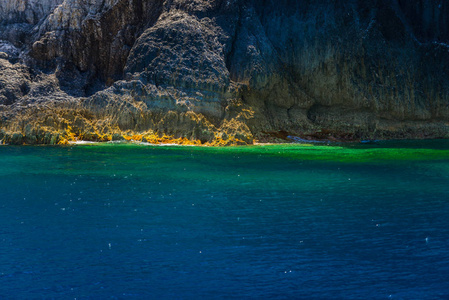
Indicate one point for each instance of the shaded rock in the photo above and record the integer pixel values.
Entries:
(16, 139)
(223, 71)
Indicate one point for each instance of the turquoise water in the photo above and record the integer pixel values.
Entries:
(285, 222)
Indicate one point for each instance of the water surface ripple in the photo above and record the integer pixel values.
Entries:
(282, 222)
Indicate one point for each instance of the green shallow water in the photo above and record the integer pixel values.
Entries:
(114, 221)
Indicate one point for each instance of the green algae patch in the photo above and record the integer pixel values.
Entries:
(313, 167)
(353, 155)
(349, 153)
(346, 153)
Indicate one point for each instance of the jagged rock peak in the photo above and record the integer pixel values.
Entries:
(26, 11)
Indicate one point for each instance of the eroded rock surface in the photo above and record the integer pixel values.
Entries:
(223, 71)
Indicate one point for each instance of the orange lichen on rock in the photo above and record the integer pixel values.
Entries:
(137, 137)
(71, 135)
(153, 138)
(63, 141)
(68, 126)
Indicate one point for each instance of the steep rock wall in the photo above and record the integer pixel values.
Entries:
(26, 11)
(229, 69)
(352, 67)
(92, 40)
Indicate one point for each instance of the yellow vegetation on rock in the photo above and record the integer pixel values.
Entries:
(71, 135)
(63, 142)
(68, 125)
(153, 138)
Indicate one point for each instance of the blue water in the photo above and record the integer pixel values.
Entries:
(281, 222)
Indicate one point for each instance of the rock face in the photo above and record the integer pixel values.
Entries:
(223, 71)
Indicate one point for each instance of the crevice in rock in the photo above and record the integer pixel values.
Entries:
(230, 55)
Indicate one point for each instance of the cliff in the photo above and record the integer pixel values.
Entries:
(223, 71)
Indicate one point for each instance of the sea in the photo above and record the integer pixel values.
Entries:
(286, 221)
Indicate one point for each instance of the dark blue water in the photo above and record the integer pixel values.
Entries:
(283, 222)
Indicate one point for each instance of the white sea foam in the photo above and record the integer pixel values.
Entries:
(164, 144)
(81, 142)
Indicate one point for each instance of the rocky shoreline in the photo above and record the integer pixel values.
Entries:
(223, 72)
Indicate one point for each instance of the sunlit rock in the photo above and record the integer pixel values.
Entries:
(223, 72)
